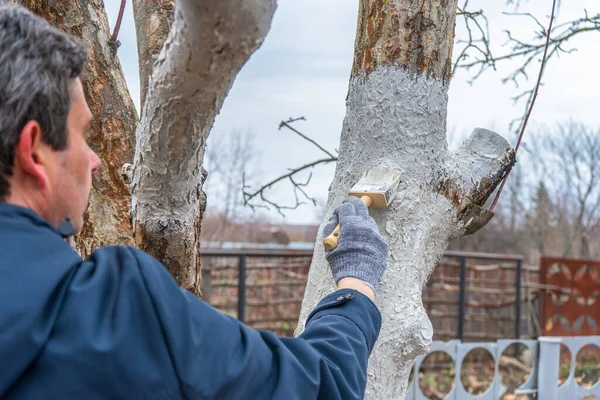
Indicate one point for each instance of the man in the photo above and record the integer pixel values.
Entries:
(116, 326)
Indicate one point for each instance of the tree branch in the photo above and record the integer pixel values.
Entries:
(481, 45)
(287, 125)
(535, 94)
(561, 34)
(297, 187)
(113, 39)
(208, 43)
(474, 171)
(153, 20)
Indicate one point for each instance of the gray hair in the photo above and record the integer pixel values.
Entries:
(37, 66)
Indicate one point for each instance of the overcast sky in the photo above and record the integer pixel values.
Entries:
(303, 67)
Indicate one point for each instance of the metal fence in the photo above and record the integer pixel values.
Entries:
(473, 296)
(480, 296)
(559, 369)
(470, 296)
(263, 288)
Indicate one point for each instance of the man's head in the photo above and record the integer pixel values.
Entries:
(45, 162)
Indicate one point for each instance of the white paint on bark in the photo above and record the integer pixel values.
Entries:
(398, 119)
(208, 44)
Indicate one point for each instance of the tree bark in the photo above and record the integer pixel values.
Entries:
(153, 19)
(208, 44)
(108, 219)
(396, 116)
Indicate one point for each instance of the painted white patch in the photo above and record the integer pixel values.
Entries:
(397, 120)
(483, 151)
(206, 47)
(392, 230)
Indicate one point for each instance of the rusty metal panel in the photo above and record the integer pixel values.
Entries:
(570, 291)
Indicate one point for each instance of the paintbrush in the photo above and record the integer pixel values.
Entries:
(376, 188)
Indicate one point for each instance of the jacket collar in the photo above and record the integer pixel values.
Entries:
(26, 215)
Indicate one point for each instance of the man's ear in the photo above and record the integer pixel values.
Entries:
(31, 153)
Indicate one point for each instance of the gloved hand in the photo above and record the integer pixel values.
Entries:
(361, 252)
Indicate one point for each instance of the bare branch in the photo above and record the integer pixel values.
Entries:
(297, 187)
(482, 59)
(479, 43)
(287, 125)
(537, 86)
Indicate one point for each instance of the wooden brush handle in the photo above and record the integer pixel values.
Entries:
(331, 241)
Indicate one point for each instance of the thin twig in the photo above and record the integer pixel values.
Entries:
(115, 34)
(290, 176)
(537, 85)
(292, 172)
(563, 33)
(469, 13)
(287, 125)
(473, 42)
(535, 94)
(297, 186)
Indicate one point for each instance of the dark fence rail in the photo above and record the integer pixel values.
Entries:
(263, 288)
(480, 296)
(470, 296)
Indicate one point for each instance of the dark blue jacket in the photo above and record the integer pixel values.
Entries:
(117, 326)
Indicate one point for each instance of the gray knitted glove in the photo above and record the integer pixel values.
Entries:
(361, 252)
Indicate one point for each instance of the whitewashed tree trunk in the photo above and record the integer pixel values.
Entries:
(396, 116)
(208, 43)
(153, 19)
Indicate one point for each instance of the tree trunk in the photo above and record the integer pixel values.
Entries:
(396, 116)
(108, 219)
(153, 19)
(208, 44)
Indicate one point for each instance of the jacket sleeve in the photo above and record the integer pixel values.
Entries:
(217, 357)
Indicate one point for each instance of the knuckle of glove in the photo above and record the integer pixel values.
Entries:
(352, 222)
(355, 201)
(351, 199)
(328, 229)
(330, 225)
(358, 225)
(367, 242)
